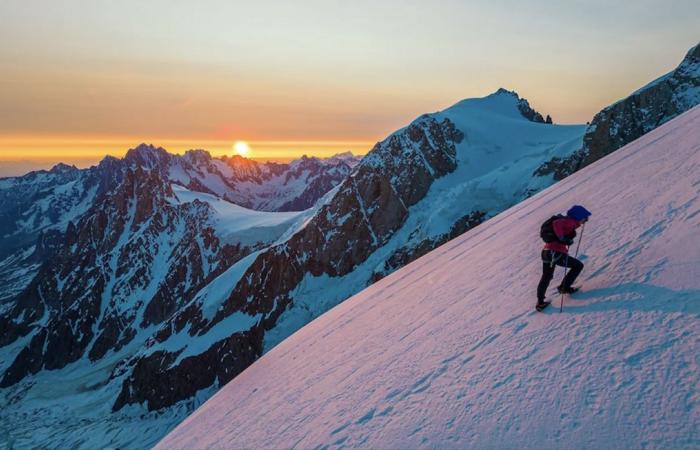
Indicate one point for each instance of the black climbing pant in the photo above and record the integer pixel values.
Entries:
(550, 259)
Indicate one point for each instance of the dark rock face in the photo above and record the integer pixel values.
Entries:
(132, 254)
(156, 379)
(630, 118)
(29, 204)
(524, 107)
(561, 168)
(529, 113)
(369, 206)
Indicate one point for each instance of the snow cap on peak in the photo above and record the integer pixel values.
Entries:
(504, 91)
(344, 158)
(502, 102)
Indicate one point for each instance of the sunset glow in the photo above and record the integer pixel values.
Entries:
(314, 77)
(20, 154)
(242, 148)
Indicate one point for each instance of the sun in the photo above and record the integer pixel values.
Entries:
(242, 148)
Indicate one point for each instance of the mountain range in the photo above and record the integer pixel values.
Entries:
(448, 351)
(144, 284)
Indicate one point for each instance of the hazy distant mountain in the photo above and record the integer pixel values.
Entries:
(267, 186)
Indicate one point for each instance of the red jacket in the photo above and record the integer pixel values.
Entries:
(563, 228)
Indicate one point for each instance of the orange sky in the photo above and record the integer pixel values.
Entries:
(79, 80)
(20, 154)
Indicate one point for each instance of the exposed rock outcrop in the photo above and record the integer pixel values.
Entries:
(634, 116)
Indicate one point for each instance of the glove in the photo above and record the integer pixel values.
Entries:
(567, 241)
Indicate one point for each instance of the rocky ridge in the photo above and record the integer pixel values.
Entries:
(632, 117)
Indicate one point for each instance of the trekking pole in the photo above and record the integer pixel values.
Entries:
(580, 238)
(566, 265)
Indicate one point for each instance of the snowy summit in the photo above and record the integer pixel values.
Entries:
(448, 351)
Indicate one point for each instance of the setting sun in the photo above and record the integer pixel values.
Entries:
(242, 148)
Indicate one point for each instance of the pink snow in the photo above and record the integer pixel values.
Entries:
(448, 352)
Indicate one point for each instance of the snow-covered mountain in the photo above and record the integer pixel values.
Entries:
(442, 174)
(129, 232)
(36, 209)
(155, 297)
(117, 249)
(266, 186)
(157, 289)
(448, 352)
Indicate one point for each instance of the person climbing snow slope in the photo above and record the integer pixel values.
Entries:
(559, 232)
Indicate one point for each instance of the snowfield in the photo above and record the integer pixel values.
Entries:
(448, 351)
(236, 224)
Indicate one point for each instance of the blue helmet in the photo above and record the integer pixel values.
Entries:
(578, 212)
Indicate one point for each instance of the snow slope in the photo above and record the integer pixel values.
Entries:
(496, 160)
(448, 352)
(236, 224)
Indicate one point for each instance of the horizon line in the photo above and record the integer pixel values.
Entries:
(18, 160)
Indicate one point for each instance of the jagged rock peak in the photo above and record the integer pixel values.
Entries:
(63, 168)
(504, 91)
(529, 113)
(108, 162)
(147, 155)
(522, 104)
(238, 161)
(197, 156)
(347, 158)
(306, 163)
(344, 155)
(693, 54)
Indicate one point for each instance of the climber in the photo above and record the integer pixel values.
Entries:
(558, 233)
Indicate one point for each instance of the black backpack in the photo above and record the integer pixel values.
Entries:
(547, 230)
